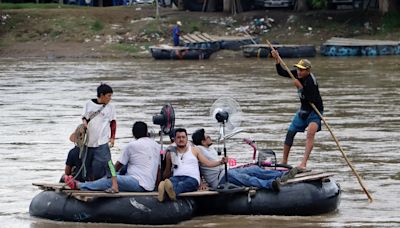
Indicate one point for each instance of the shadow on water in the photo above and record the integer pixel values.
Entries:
(42, 101)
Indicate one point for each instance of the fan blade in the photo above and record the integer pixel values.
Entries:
(226, 110)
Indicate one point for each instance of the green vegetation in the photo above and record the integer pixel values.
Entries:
(33, 6)
(318, 4)
(152, 27)
(195, 26)
(97, 26)
(190, 25)
(391, 21)
(130, 48)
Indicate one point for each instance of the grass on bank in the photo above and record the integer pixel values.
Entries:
(131, 48)
(391, 21)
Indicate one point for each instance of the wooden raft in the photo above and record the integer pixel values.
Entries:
(89, 195)
(204, 37)
(169, 47)
(198, 38)
(359, 42)
(276, 45)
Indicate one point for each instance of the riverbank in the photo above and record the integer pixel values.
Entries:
(127, 32)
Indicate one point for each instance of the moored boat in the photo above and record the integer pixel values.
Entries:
(204, 40)
(170, 52)
(285, 50)
(131, 208)
(201, 41)
(310, 193)
(304, 198)
(236, 42)
(357, 47)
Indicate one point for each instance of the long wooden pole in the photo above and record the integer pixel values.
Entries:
(329, 128)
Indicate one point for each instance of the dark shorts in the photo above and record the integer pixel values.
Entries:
(300, 124)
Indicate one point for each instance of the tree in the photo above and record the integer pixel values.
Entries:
(388, 5)
(301, 5)
(210, 5)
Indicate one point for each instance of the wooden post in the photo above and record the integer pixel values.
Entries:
(157, 10)
(180, 5)
(211, 5)
(383, 6)
(239, 7)
(204, 6)
(227, 5)
(301, 5)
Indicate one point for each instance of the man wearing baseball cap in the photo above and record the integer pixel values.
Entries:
(176, 33)
(305, 117)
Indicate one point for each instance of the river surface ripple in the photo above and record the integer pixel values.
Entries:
(41, 101)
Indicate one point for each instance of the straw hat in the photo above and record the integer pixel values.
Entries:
(303, 64)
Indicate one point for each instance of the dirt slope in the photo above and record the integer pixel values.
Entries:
(128, 31)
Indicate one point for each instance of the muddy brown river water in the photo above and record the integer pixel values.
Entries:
(41, 101)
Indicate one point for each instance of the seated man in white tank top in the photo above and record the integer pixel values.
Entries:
(185, 166)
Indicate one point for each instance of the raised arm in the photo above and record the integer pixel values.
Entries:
(279, 69)
(205, 161)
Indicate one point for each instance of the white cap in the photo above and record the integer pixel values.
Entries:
(179, 23)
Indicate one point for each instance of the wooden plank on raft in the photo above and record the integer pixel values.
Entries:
(80, 193)
(208, 36)
(233, 38)
(309, 178)
(276, 46)
(95, 194)
(168, 47)
(201, 35)
(310, 173)
(199, 193)
(51, 186)
(184, 40)
(359, 42)
(89, 195)
(188, 38)
(351, 40)
(195, 38)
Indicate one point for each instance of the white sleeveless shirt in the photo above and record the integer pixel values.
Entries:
(187, 164)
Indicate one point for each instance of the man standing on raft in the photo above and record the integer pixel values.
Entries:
(305, 117)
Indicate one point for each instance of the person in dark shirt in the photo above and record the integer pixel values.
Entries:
(305, 117)
(73, 164)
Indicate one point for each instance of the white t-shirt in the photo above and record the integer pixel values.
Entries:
(99, 130)
(143, 158)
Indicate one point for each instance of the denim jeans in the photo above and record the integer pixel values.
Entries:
(98, 160)
(184, 184)
(125, 184)
(252, 176)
